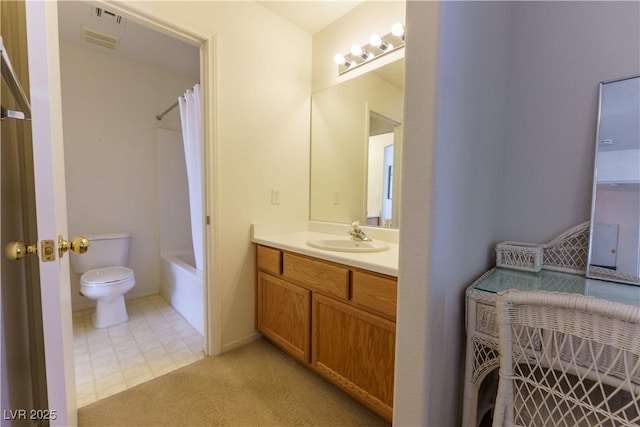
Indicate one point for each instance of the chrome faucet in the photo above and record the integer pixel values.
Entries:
(357, 234)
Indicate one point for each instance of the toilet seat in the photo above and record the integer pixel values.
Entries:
(107, 276)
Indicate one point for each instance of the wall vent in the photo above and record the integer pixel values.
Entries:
(106, 15)
(101, 39)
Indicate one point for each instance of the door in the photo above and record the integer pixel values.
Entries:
(23, 390)
(284, 315)
(355, 350)
(605, 245)
(50, 202)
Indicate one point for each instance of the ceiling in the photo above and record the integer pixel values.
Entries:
(149, 46)
(392, 73)
(137, 42)
(309, 15)
(143, 44)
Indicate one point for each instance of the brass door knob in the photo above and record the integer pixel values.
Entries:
(18, 250)
(78, 245)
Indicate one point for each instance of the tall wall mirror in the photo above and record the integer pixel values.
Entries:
(356, 141)
(614, 250)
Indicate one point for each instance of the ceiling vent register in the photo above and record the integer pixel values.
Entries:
(99, 38)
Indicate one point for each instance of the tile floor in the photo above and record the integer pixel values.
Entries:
(154, 341)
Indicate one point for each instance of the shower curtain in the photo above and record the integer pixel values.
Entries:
(191, 120)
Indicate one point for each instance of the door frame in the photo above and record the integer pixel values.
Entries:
(208, 83)
(44, 59)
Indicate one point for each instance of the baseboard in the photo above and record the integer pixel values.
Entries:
(145, 293)
(83, 306)
(241, 342)
(92, 304)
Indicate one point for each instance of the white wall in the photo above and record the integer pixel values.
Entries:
(454, 137)
(109, 107)
(558, 53)
(173, 194)
(261, 120)
(503, 149)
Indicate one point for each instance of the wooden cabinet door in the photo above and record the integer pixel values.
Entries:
(355, 350)
(284, 315)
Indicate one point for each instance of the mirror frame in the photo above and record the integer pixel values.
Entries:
(622, 278)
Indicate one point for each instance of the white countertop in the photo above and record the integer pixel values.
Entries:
(293, 237)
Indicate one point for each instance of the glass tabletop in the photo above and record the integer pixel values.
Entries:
(502, 279)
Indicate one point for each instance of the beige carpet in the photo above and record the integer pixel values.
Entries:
(256, 385)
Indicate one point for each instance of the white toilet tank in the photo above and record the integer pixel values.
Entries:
(105, 250)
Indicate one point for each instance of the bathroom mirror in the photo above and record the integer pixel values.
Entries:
(356, 140)
(614, 249)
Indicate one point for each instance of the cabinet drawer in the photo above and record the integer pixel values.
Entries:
(375, 293)
(317, 276)
(269, 260)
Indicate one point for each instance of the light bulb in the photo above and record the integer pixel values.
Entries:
(339, 59)
(397, 29)
(375, 40)
(357, 51)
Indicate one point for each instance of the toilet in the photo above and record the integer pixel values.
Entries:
(105, 277)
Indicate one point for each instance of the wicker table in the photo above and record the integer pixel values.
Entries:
(482, 355)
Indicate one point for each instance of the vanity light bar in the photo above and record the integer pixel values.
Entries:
(378, 46)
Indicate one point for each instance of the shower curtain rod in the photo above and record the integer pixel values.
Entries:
(15, 87)
(161, 115)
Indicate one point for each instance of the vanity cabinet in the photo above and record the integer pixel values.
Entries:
(336, 319)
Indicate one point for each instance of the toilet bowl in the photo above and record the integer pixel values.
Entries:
(104, 276)
(107, 286)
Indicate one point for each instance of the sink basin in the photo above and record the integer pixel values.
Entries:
(348, 245)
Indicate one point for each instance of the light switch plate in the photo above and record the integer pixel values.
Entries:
(275, 196)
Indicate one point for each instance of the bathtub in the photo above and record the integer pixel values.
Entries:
(182, 286)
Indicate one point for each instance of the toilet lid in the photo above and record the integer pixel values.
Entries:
(104, 276)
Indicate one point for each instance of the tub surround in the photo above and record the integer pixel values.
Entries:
(293, 237)
(181, 284)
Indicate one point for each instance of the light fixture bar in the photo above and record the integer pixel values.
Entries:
(377, 47)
